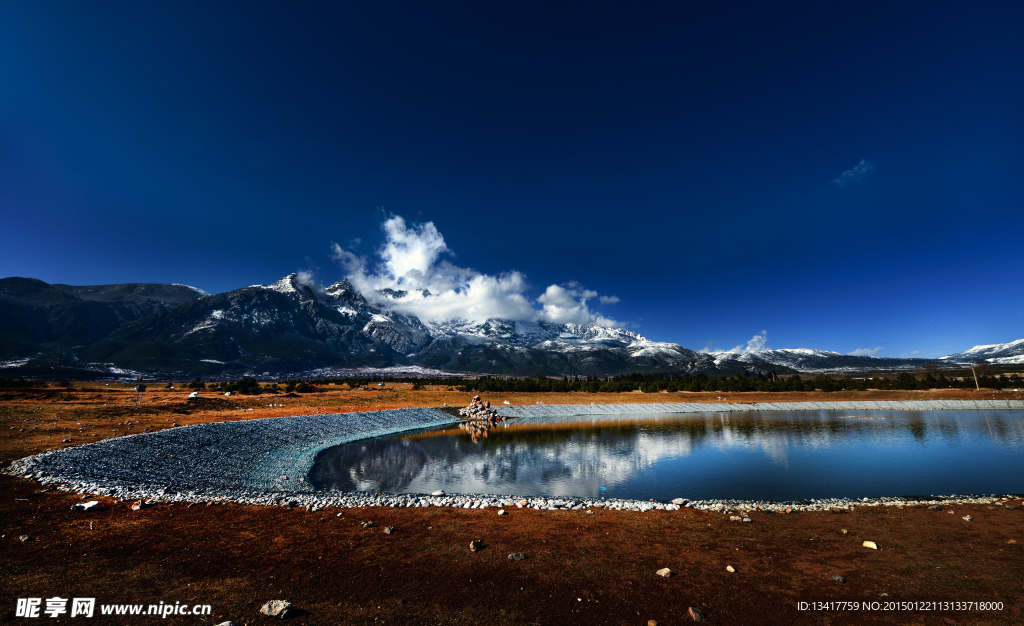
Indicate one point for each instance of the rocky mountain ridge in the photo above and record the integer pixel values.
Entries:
(805, 360)
(36, 316)
(1010, 353)
(293, 326)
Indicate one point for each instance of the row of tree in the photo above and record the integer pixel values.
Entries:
(653, 383)
(251, 387)
(647, 383)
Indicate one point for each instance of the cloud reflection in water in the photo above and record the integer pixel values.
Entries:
(777, 456)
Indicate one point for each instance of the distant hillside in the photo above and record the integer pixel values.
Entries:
(1011, 353)
(804, 360)
(36, 316)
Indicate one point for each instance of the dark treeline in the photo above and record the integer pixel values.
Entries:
(250, 386)
(653, 383)
(21, 383)
(647, 383)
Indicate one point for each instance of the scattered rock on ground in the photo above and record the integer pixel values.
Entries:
(388, 530)
(968, 518)
(84, 506)
(226, 624)
(680, 501)
(501, 512)
(870, 544)
(839, 579)
(730, 569)
(516, 556)
(24, 538)
(652, 622)
(696, 614)
(476, 545)
(844, 531)
(934, 507)
(276, 608)
(664, 572)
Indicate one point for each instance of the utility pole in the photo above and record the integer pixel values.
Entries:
(976, 386)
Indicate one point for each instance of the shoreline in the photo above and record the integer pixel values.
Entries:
(269, 464)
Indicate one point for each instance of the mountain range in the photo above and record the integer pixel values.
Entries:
(293, 327)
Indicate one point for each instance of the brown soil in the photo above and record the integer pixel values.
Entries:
(580, 568)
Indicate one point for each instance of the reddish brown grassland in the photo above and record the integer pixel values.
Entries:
(580, 568)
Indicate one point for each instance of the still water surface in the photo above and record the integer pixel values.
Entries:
(750, 456)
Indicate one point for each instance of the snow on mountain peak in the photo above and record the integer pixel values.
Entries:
(201, 292)
(298, 284)
(288, 284)
(997, 353)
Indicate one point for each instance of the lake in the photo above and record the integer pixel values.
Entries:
(777, 456)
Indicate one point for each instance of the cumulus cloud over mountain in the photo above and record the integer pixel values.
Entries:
(757, 343)
(867, 351)
(410, 275)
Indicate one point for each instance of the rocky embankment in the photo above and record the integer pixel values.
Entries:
(481, 418)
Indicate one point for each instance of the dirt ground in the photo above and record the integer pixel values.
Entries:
(579, 568)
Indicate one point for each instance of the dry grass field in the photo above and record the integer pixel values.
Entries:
(580, 568)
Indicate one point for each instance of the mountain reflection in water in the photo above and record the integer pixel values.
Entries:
(766, 456)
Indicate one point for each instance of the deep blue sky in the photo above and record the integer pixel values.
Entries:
(680, 156)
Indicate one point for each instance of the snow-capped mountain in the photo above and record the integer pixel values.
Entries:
(1011, 353)
(288, 326)
(294, 326)
(805, 360)
(506, 346)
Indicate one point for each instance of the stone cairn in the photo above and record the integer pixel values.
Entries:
(481, 418)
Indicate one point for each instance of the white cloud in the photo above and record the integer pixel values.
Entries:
(855, 174)
(757, 343)
(565, 306)
(911, 355)
(866, 351)
(436, 289)
(308, 279)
